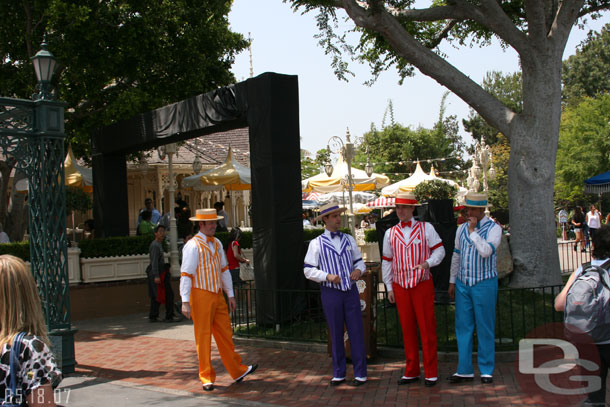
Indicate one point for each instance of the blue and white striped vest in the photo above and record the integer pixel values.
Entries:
(474, 268)
(337, 263)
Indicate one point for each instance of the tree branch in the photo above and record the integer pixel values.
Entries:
(536, 20)
(564, 20)
(490, 15)
(432, 65)
(584, 11)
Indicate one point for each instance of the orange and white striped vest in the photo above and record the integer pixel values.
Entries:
(207, 276)
(406, 254)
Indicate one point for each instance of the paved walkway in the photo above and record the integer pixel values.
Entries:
(127, 361)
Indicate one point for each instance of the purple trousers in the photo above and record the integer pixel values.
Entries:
(342, 308)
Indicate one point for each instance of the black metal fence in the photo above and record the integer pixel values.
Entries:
(519, 311)
(570, 259)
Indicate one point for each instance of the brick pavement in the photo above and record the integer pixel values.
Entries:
(284, 377)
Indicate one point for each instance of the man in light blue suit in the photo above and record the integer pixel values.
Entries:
(474, 285)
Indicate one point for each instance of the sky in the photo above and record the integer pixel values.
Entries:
(283, 42)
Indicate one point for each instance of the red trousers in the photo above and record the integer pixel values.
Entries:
(417, 305)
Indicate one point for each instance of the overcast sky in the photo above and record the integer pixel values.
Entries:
(283, 42)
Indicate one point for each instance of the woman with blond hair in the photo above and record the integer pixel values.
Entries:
(21, 311)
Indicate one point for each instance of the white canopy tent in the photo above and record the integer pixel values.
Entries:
(337, 182)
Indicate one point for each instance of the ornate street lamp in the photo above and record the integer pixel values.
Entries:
(32, 133)
(328, 167)
(368, 168)
(170, 150)
(482, 165)
(336, 145)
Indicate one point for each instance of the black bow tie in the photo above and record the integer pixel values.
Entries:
(335, 234)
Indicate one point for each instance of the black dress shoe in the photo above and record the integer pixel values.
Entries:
(430, 383)
(357, 382)
(337, 382)
(153, 320)
(173, 319)
(403, 380)
(487, 380)
(250, 370)
(458, 379)
(208, 387)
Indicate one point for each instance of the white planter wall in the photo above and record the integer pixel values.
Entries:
(370, 252)
(73, 265)
(100, 269)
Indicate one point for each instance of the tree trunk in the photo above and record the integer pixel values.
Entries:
(531, 174)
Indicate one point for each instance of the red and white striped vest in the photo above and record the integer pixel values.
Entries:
(408, 254)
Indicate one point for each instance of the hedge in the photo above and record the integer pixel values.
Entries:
(19, 249)
(370, 236)
(116, 246)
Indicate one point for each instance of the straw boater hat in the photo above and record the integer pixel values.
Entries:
(328, 209)
(205, 215)
(406, 198)
(476, 200)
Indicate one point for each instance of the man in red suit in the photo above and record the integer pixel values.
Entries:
(410, 248)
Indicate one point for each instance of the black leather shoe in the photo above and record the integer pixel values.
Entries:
(458, 379)
(430, 383)
(250, 371)
(357, 382)
(487, 380)
(208, 387)
(337, 382)
(402, 380)
(153, 320)
(173, 319)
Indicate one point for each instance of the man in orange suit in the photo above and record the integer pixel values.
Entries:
(204, 274)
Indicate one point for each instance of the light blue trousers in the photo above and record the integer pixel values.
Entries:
(476, 306)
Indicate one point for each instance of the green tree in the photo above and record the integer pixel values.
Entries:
(393, 149)
(498, 187)
(393, 33)
(584, 146)
(116, 58)
(586, 72)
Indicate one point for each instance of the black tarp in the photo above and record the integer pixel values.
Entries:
(268, 105)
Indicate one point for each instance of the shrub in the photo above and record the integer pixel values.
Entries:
(435, 189)
(19, 249)
(370, 236)
(116, 246)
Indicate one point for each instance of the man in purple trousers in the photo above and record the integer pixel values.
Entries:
(334, 261)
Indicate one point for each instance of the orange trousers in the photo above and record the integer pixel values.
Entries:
(210, 315)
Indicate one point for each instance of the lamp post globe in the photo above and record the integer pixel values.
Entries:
(44, 65)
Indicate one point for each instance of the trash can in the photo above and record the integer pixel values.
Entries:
(367, 287)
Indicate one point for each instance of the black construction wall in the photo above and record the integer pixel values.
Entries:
(273, 119)
(110, 208)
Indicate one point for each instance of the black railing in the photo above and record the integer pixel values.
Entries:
(570, 259)
(518, 312)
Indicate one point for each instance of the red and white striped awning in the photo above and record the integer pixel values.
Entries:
(312, 196)
(382, 202)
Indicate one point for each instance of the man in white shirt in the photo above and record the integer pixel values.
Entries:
(410, 248)
(204, 273)
(334, 260)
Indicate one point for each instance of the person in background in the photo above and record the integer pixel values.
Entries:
(224, 217)
(234, 256)
(21, 311)
(3, 236)
(159, 274)
(155, 215)
(306, 221)
(146, 227)
(562, 217)
(594, 221)
(578, 220)
(364, 223)
(601, 253)
(89, 229)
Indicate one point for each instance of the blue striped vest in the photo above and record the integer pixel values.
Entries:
(340, 263)
(474, 268)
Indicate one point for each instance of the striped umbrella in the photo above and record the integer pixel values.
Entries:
(381, 202)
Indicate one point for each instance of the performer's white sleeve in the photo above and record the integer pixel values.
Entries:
(386, 262)
(227, 280)
(190, 257)
(455, 259)
(487, 247)
(312, 258)
(436, 244)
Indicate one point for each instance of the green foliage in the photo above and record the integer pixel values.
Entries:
(19, 249)
(584, 146)
(498, 187)
(435, 189)
(77, 200)
(118, 58)
(398, 146)
(116, 246)
(586, 72)
(370, 236)
(245, 242)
